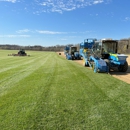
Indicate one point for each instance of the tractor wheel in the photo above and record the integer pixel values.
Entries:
(79, 58)
(72, 58)
(123, 68)
(120, 68)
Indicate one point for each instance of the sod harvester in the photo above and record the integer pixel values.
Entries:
(102, 56)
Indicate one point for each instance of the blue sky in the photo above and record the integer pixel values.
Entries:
(53, 22)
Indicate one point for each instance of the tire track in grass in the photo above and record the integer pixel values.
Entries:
(40, 110)
(50, 112)
(42, 117)
(80, 102)
(70, 110)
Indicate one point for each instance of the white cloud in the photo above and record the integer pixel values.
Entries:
(98, 1)
(40, 6)
(49, 32)
(62, 5)
(69, 9)
(42, 32)
(23, 31)
(13, 1)
(54, 32)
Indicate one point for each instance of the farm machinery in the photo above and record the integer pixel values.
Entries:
(21, 52)
(71, 53)
(101, 55)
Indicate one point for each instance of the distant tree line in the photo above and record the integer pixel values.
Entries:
(34, 48)
(123, 47)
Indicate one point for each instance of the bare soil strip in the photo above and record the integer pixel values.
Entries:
(119, 75)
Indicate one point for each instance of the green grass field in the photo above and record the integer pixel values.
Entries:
(47, 92)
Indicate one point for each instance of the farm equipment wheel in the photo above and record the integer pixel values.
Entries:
(123, 68)
(79, 58)
(73, 58)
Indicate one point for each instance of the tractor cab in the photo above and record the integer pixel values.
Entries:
(22, 52)
(106, 49)
(72, 53)
(103, 48)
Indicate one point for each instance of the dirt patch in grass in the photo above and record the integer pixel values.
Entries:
(119, 75)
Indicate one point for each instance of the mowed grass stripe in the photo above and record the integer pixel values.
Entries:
(15, 61)
(96, 86)
(34, 80)
(16, 74)
(61, 94)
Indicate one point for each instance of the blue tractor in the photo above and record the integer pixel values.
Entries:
(72, 53)
(102, 56)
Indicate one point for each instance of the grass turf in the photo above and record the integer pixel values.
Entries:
(46, 91)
